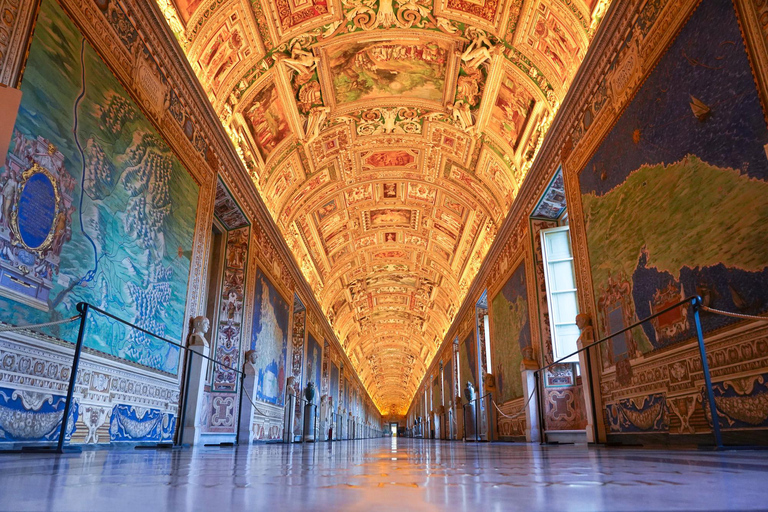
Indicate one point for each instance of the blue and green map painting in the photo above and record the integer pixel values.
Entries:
(126, 242)
(335, 384)
(511, 334)
(269, 339)
(314, 364)
(468, 363)
(675, 197)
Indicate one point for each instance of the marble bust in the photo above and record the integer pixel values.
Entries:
(200, 326)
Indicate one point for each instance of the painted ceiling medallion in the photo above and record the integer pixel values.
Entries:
(388, 138)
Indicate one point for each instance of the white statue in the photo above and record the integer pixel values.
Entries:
(200, 326)
(462, 115)
(479, 50)
(301, 61)
(9, 190)
(317, 117)
(445, 25)
(290, 386)
(389, 116)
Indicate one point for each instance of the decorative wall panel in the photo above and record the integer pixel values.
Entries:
(663, 245)
(667, 165)
(511, 334)
(269, 340)
(96, 207)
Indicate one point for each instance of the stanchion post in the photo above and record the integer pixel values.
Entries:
(464, 416)
(477, 421)
(240, 410)
(491, 423)
(696, 303)
(82, 308)
(542, 436)
(184, 397)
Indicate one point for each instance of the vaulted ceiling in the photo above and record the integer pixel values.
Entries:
(388, 138)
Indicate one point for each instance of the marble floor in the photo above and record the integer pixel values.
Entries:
(386, 475)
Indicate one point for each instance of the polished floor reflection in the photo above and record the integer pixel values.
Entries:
(386, 475)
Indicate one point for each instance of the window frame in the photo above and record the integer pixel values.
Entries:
(558, 351)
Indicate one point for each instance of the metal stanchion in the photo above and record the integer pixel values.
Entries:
(477, 426)
(82, 308)
(705, 370)
(178, 437)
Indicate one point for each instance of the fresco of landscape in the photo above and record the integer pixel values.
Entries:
(512, 334)
(467, 364)
(123, 235)
(511, 111)
(364, 71)
(266, 120)
(675, 198)
(269, 339)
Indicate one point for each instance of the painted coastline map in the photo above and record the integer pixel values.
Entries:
(269, 339)
(126, 240)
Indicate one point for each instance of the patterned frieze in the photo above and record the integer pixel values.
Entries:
(34, 377)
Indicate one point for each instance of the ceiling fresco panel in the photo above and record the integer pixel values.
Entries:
(387, 69)
(388, 139)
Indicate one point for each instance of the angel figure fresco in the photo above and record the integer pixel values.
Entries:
(515, 113)
(232, 307)
(556, 45)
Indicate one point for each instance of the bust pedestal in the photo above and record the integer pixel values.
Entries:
(195, 367)
(532, 432)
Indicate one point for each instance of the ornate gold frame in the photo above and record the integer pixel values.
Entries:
(43, 247)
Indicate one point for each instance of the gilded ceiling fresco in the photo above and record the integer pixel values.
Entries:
(388, 138)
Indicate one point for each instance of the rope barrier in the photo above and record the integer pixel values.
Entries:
(734, 315)
(517, 414)
(248, 396)
(7, 328)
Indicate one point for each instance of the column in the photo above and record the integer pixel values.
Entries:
(584, 322)
(245, 432)
(193, 406)
(527, 371)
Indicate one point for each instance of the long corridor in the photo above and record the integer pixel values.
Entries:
(386, 475)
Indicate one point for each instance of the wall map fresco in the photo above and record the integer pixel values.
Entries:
(511, 334)
(124, 213)
(674, 199)
(269, 339)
